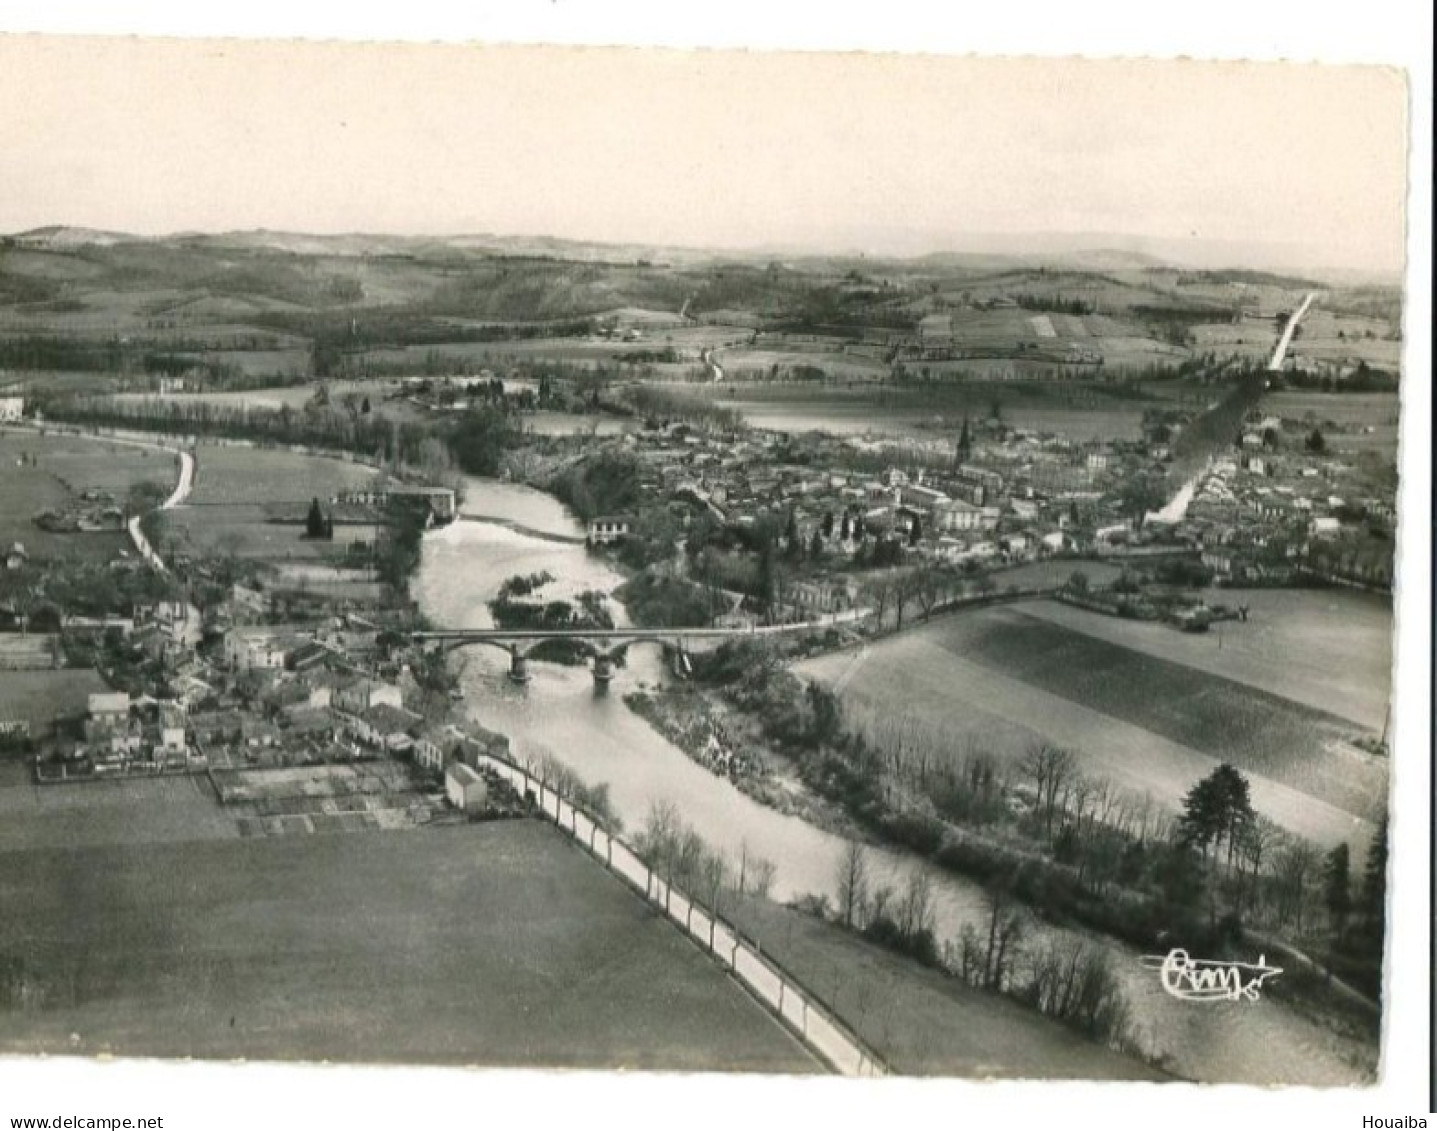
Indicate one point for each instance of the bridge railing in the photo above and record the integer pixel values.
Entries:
(800, 1010)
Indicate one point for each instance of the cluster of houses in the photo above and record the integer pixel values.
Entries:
(1010, 495)
(1015, 496)
(1258, 513)
(260, 695)
(121, 735)
(302, 719)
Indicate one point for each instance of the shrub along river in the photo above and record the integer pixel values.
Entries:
(595, 734)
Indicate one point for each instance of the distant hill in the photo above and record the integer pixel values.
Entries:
(58, 237)
(976, 252)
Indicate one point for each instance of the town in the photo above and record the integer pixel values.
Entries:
(915, 638)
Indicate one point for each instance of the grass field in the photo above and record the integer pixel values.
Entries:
(690, 340)
(227, 510)
(276, 397)
(1360, 409)
(911, 411)
(64, 468)
(154, 812)
(920, 1022)
(242, 530)
(83, 464)
(741, 360)
(39, 697)
(999, 679)
(1287, 647)
(233, 474)
(495, 944)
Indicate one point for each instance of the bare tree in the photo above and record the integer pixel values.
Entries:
(915, 910)
(1294, 865)
(880, 593)
(763, 871)
(1005, 932)
(1051, 770)
(879, 903)
(904, 589)
(1256, 840)
(715, 873)
(928, 588)
(853, 884)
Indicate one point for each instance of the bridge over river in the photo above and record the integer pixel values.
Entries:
(605, 645)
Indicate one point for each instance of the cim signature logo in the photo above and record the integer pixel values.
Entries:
(1202, 979)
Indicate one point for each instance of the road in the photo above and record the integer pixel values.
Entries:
(1280, 353)
(177, 496)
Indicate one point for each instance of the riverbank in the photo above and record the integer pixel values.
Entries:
(730, 746)
(603, 740)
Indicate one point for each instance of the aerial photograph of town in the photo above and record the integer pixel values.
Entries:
(481, 632)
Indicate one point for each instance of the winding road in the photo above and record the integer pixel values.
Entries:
(177, 496)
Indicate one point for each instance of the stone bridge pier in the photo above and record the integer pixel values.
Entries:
(606, 660)
(518, 663)
(603, 668)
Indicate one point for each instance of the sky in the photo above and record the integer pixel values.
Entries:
(876, 153)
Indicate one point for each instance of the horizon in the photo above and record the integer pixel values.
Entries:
(1211, 255)
(715, 151)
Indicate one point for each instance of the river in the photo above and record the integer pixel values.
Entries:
(595, 734)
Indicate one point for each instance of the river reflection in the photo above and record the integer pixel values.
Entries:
(599, 738)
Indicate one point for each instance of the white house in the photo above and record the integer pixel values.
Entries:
(364, 694)
(465, 789)
(955, 514)
(12, 408)
(262, 647)
(610, 528)
(172, 728)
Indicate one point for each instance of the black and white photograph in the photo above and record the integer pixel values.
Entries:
(741, 563)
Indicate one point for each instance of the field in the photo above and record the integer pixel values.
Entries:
(742, 361)
(82, 464)
(920, 1022)
(689, 341)
(998, 679)
(296, 397)
(1286, 647)
(496, 944)
(156, 813)
(870, 409)
(234, 488)
(42, 696)
(64, 468)
(242, 530)
(232, 474)
(1363, 421)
